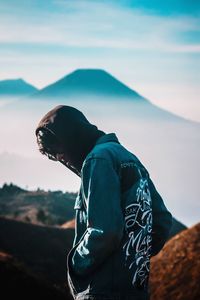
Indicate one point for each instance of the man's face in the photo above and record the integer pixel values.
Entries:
(54, 150)
(57, 153)
(63, 158)
(50, 146)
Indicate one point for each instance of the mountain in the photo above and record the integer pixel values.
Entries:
(175, 271)
(97, 86)
(87, 82)
(16, 88)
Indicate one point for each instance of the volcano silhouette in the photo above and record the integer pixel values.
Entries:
(85, 82)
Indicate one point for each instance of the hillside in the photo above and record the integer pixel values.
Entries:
(42, 249)
(19, 282)
(36, 207)
(175, 271)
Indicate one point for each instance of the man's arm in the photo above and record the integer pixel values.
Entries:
(101, 192)
(162, 220)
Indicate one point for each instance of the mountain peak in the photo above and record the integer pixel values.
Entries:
(89, 72)
(20, 80)
(87, 82)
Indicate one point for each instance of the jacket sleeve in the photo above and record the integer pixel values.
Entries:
(101, 192)
(162, 220)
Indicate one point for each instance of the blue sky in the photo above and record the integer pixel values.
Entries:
(152, 46)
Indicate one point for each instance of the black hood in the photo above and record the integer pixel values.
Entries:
(77, 135)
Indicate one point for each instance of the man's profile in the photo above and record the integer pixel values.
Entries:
(121, 219)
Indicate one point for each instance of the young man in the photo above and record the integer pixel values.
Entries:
(121, 220)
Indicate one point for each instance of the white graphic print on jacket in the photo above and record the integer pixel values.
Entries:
(138, 225)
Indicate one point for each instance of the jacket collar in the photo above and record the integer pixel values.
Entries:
(108, 137)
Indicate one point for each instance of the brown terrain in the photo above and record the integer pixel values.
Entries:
(69, 224)
(175, 271)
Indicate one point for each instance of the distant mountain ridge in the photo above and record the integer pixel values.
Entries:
(87, 82)
(93, 85)
(99, 85)
(16, 87)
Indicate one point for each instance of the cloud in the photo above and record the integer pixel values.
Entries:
(42, 41)
(86, 24)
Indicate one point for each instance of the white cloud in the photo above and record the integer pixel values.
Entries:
(86, 24)
(146, 51)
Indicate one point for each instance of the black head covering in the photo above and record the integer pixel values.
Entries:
(75, 133)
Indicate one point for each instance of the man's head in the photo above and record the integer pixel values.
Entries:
(49, 144)
(64, 134)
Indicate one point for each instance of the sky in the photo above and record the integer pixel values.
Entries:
(152, 46)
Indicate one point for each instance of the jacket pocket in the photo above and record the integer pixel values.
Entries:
(78, 201)
(80, 217)
(76, 283)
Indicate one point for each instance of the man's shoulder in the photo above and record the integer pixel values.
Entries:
(105, 151)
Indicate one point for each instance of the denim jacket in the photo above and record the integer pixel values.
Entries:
(120, 222)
